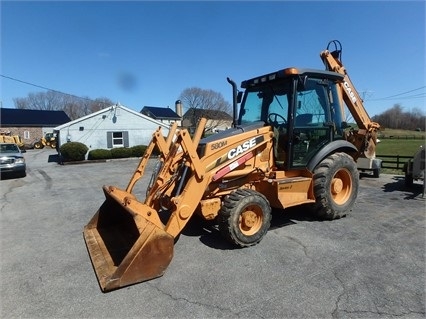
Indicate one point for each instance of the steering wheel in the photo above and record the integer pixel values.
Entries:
(275, 118)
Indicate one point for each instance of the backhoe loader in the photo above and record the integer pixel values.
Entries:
(7, 137)
(288, 146)
(49, 139)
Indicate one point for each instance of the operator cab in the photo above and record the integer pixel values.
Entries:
(298, 103)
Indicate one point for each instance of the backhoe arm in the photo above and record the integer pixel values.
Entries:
(353, 101)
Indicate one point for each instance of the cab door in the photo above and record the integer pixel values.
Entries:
(314, 116)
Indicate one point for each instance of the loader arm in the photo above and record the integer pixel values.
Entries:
(130, 241)
(365, 138)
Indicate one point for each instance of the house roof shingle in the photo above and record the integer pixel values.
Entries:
(209, 114)
(160, 113)
(23, 117)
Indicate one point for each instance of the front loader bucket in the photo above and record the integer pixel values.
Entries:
(125, 247)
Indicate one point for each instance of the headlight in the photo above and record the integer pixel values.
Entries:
(20, 160)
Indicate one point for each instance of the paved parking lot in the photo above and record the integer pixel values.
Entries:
(370, 264)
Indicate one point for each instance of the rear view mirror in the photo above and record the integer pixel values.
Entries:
(239, 96)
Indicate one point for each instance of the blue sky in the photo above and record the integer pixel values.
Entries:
(142, 53)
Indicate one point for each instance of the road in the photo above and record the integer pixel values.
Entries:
(370, 264)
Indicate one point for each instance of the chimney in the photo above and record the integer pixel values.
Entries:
(178, 106)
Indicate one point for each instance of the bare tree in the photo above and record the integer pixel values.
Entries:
(205, 103)
(397, 118)
(73, 106)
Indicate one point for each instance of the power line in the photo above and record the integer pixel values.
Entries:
(422, 87)
(409, 97)
(420, 95)
(46, 88)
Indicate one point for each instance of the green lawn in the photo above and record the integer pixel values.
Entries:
(395, 147)
(386, 133)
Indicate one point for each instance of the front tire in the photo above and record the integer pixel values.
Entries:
(38, 145)
(245, 217)
(336, 182)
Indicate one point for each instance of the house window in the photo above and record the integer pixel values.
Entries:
(26, 135)
(117, 139)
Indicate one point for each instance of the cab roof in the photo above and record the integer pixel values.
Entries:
(291, 72)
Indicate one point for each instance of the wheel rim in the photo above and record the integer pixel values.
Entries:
(341, 186)
(250, 221)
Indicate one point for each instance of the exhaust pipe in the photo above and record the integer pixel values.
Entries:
(234, 101)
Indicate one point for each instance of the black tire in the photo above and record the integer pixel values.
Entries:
(245, 217)
(336, 182)
(38, 145)
(408, 180)
(376, 172)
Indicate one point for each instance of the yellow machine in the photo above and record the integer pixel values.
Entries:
(49, 139)
(7, 137)
(288, 146)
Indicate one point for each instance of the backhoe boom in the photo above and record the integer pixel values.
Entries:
(367, 129)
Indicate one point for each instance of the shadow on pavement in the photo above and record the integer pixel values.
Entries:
(54, 158)
(398, 185)
(209, 234)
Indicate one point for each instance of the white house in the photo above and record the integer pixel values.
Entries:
(115, 126)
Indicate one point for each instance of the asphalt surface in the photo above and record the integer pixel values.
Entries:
(370, 264)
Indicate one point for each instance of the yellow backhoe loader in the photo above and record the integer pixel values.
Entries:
(7, 137)
(49, 139)
(289, 145)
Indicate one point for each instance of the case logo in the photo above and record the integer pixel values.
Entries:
(350, 92)
(242, 148)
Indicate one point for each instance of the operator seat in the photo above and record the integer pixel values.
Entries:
(304, 119)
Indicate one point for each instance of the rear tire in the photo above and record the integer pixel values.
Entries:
(408, 177)
(408, 180)
(376, 173)
(336, 181)
(245, 217)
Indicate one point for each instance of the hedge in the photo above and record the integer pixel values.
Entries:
(98, 154)
(73, 151)
(138, 150)
(120, 152)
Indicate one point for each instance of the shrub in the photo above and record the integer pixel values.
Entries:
(73, 151)
(121, 152)
(138, 150)
(98, 154)
(155, 151)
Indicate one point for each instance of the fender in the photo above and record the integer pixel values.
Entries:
(339, 145)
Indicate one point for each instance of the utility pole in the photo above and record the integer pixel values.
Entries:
(366, 94)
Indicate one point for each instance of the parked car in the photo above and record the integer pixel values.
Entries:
(11, 160)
